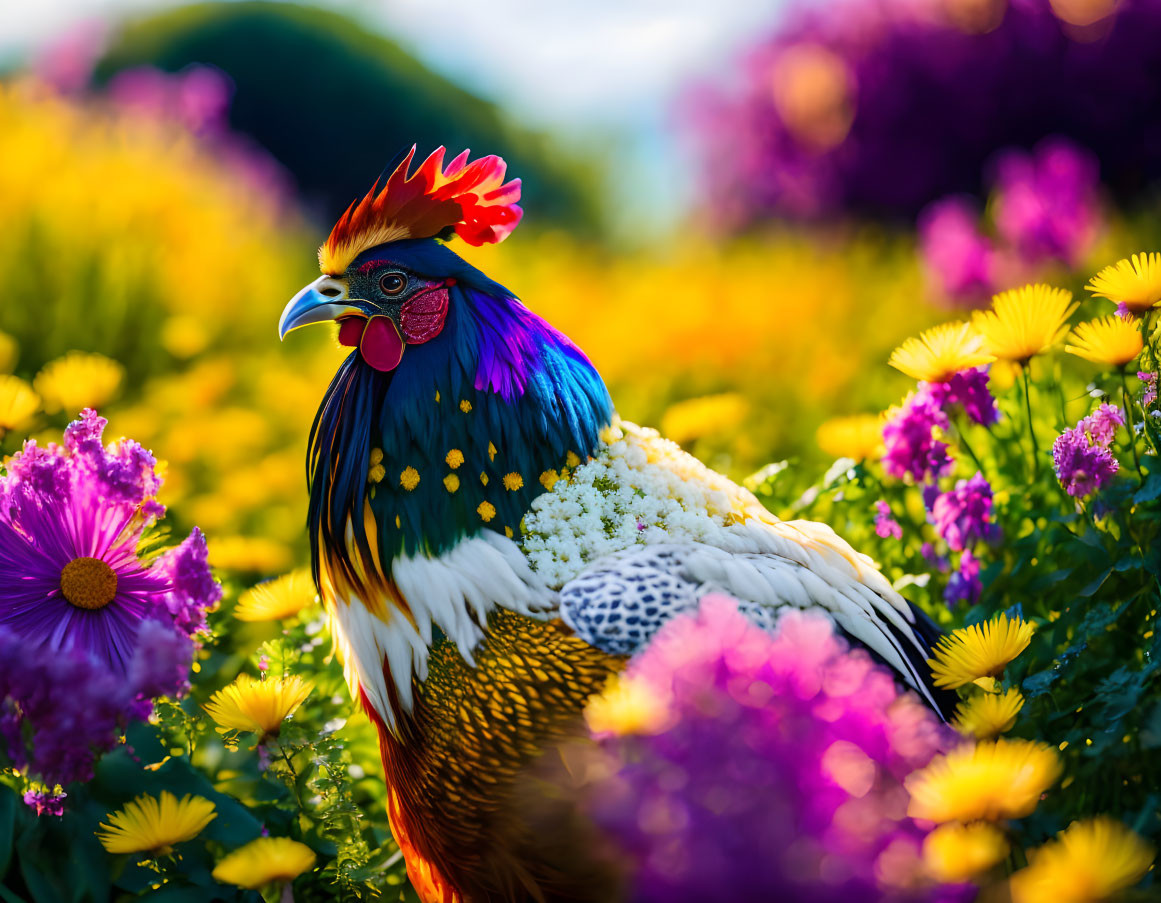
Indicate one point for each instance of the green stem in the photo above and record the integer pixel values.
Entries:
(1132, 424)
(1031, 428)
(967, 447)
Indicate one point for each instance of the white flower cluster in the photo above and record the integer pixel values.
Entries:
(638, 489)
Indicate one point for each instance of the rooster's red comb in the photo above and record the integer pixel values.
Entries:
(472, 198)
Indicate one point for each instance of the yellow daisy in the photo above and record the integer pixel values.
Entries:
(153, 825)
(981, 650)
(708, 415)
(626, 706)
(1090, 861)
(1025, 321)
(993, 780)
(954, 853)
(988, 714)
(263, 861)
(257, 705)
(1136, 282)
(859, 437)
(17, 403)
(1113, 340)
(941, 352)
(79, 380)
(273, 600)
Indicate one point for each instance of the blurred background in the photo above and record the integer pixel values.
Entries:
(737, 209)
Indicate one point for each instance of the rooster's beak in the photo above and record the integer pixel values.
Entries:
(323, 300)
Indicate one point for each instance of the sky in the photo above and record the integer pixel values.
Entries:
(594, 71)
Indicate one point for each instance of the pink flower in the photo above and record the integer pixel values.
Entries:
(885, 525)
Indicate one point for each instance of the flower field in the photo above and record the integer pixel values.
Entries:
(967, 395)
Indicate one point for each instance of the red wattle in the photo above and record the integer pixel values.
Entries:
(351, 330)
(382, 345)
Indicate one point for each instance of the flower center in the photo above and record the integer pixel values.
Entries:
(88, 583)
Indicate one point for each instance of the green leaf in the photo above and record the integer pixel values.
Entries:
(1150, 491)
(1037, 684)
(8, 803)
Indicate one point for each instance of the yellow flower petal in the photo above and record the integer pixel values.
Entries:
(1025, 321)
(954, 853)
(78, 380)
(981, 650)
(1113, 340)
(708, 415)
(273, 600)
(151, 824)
(265, 860)
(859, 437)
(941, 352)
(626, 706)
(993, 780)
(17, 403)
(1136, 282)
(257, 705)
(1090, 861)
(988, 714)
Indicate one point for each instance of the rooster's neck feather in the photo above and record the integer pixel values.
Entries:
(499, 388)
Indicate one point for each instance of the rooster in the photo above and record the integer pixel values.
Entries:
(492, 542)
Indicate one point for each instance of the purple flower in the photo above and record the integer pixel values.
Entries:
(964, 584)
(963, 515)
(958, 258)
(924, 124)
(778, 772)
(1046, 202)
(885, 525)
(1101, 425)
(90, 632)
(44, 802)
(912, 450)
(937, 561)
(1150, 381)
(967, 391)
(1084, 464)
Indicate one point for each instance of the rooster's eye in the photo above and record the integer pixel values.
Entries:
(392, 283)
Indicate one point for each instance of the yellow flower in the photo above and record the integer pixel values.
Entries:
(941, 352)
(513, 481)
(1090, 861)
(486, 510)
(626, 706)
(454, 458)
(248, 553)
(1025, 321)
(988, 714)
(17, 402)
(1113, 340)
(409, 479)
(265, 860)
(78, 380)
(257, 705)
(451, 482)
(992, 780)
(548, 479)
(858, 437)
(981, 650)
(705, 416)
(273, 600)
(1136, 283)
(954, 853)
(152, 825)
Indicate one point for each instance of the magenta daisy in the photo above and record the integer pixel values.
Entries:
(77, 597)
(71, 520)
